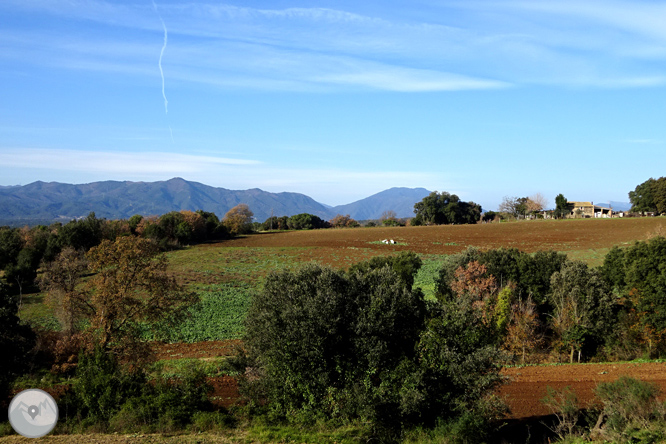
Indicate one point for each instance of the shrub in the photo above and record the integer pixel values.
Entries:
(329, 343)
(168, 403)
(359, 346)
(564, 405)
(102, 385)
(211, 421)
(628, 403)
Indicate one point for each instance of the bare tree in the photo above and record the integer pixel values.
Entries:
(536, 203)
(60, 281)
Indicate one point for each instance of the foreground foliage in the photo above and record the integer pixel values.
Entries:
(365, 345)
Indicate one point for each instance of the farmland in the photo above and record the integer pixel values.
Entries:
(226, 274)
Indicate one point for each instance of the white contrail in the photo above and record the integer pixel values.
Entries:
(166, 102)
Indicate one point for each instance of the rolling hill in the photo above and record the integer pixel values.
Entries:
(40, 202)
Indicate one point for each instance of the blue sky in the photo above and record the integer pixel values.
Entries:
(337, 99)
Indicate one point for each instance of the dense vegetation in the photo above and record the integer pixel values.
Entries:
(444, 208)
(360, 347)
(364, 345)
(550, 304)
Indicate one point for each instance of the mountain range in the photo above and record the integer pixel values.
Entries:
(40, 202)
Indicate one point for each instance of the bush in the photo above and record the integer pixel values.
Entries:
(628, 403)
(102, 385)
(166, 404)
(330, 344)
(326, 344)
(564, 405)
(211, 421)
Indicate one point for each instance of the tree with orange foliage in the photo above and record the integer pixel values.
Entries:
(196, 224)
(340, 221)
(238, 219)
(471, 282)
(522, 333)
(130, 290)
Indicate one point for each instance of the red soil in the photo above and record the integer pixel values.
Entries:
(523, 392)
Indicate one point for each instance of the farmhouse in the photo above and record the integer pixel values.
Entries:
(587, 209)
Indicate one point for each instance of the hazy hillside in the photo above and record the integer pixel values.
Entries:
(400, 200)
(113, 200)
(41, 201)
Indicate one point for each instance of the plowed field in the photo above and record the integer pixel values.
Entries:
(529, 236)
(523, 391)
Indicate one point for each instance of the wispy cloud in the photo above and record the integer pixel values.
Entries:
(609, 44)
(159, 63)
(114, 162)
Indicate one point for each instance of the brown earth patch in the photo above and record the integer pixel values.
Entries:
(207, 349)
(527, 385)
(529, 236)
(523, 392)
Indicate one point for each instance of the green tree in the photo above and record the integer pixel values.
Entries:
(23, 271)
(659, 195)
(10, 245)
(306, 221)
(529, 274)
(534, 273)
(214, 230)
(363, 344)
(328, 342)
(406, 264)
(82, 234)
(389, 218)
(460, 362)
(61, 280)
(613, 269)
(16, 342)
(645, 277)
(642, 198)
(561, 205)
(444, 208)
(134, 222)
(102, 385)
(275, 223)
(515, 206)
(489, 216)
(583, 307)
(174, 229)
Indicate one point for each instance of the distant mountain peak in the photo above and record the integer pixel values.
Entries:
(41, 201)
